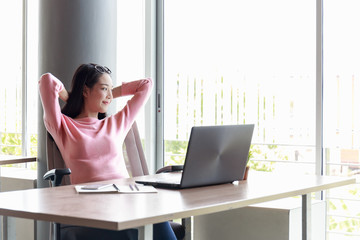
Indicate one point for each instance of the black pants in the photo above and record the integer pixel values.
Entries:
(86, 233)
(161, 231)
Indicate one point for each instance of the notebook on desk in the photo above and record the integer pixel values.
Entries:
(215, 155)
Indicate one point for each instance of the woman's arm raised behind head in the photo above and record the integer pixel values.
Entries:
(50, 88)
(140, 91)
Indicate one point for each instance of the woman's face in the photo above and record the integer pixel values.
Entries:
(98, 98)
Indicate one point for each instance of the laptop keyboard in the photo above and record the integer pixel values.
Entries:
(168, 178)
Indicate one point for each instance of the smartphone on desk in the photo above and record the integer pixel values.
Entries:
(95, 186)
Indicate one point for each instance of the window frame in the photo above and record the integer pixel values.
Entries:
(25, 134)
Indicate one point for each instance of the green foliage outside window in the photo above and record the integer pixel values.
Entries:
(342, 223)
(254, 152)
(11, 144)
(175, 152)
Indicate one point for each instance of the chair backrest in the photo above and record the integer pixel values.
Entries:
(132, 150)
(134, 154)
(54, 158)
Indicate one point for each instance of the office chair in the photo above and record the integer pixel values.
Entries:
(135, 162)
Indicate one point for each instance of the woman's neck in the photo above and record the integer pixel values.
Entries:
(87, 115)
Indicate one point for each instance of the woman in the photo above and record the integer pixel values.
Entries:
(91, 143)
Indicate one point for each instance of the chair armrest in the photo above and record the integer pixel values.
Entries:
(56, 176)
(171, 168)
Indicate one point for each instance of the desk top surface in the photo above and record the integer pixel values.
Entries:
(120, 211)
(8, 159)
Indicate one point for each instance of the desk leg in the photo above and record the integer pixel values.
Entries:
(5, 228)
(146, 232)
(306, 216)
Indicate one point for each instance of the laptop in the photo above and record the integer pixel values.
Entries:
(215, 155)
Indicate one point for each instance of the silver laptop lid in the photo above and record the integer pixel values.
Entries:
(216, 154)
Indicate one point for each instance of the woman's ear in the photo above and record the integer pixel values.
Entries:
(86, 92)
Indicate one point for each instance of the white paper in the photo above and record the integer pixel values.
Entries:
(132, 188)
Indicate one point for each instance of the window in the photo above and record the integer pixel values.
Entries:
(131, 48)
(254, 62)
(11, 110)
(240, 62)
(131, 37)
(342, 113)
(19, 79)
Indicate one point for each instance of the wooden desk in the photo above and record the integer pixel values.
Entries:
(121, 211)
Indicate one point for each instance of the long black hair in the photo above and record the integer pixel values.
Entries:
(85, 75)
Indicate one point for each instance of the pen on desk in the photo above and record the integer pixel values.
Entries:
(116, 187)
(131, 187)
(137, 189)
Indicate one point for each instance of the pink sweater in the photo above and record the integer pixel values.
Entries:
(92, 148)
